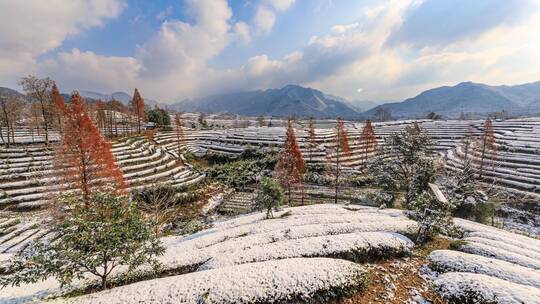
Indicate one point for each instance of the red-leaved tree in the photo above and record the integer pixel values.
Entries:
(137, 103)
(342, 149)
(290, 167)
(368, 142)
(59, 105)
(84, 157)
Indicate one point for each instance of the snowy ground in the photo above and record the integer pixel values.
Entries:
(491, 266)
(246, 246)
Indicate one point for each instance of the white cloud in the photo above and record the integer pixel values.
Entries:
(242, 31)
(32, 27)
(350, 59)
(264, 19)
(280, 5)
(164, 13)
(88, 71)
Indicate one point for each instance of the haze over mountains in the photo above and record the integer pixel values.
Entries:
(287, 101)
(448, 101)
(468, 97)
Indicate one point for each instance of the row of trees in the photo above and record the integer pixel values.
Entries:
(291, 166)
(39, 110)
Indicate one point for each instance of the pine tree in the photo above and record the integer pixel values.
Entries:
(342, 149)
(91, 238)
(180, 137)
(137, 104)
(368, 142)
(487, 144)
(312, 144)
(269, 196)
(84, 157)
(290, 167)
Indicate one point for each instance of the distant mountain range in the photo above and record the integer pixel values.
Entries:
(287, 101)
(120, 96)
(467, 97)
(448, 101)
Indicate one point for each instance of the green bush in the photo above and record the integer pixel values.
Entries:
(93, 236)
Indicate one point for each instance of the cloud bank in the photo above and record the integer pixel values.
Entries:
(393, 50)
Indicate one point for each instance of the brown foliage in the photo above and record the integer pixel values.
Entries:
(84, 157)
(290, 167)
(342, 149)
(368, 142)
(137, 103)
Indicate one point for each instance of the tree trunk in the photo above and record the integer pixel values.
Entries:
(45, 122)
(289, 193)
(337, 174)
(484, 143)
(104, 282)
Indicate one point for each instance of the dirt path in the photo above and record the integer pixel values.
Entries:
(399, 280)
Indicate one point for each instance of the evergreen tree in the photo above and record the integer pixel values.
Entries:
(269, 196)
(407, 164)
(84, 158)
(432, 215)
(290, 167)
(93, 236)
(159, 116)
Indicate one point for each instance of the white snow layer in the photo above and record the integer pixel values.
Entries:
(461, 287)
(448, 260)
(265, 282)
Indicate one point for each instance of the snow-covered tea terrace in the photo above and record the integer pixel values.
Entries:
(314, 253)
(305, 254)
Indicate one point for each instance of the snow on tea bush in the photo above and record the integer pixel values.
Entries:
(448, 260)
(460, 287)
(289, 280)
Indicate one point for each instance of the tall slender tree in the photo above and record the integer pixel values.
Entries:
(84, 157)
(342, 149)
(487, 144)
(11, 110)
(40, 91)
(368, 142)
(179, 130)
(137, 103)
(59, 105)
(100, 116)
(290, 167)
(312, 144)
(467, 142)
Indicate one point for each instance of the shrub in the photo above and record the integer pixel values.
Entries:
(433, 216)
(269, 196)
(93, 236)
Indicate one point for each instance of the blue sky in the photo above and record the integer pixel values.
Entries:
(361, 50)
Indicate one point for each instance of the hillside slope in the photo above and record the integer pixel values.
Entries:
(468, 97)
(287, 101)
